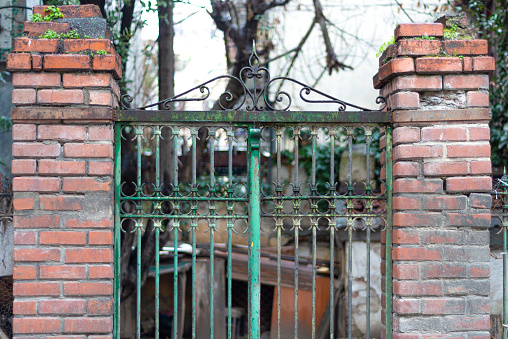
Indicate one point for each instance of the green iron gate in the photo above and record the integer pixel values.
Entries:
(274, 189)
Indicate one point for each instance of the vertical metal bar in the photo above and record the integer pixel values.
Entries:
(279, 209)
(314, 224)
(230, 134)
(211, 229)
(175, 224)
(157, 135)
(118, 225)
(505, 282)
(389, 218)
(368, 224)
(139, 224)
(332, 221)
(296, 222)
(254, 229)
(350, 220)
(194, 134)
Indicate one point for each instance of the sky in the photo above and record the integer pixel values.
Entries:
(200, 51)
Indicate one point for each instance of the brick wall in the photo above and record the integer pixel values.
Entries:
(438, 92)
(63, 187)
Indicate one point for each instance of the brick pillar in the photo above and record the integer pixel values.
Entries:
(438, 92)
(63, 185)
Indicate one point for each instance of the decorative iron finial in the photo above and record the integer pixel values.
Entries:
(256, 98)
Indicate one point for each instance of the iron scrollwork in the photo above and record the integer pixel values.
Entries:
(254, 98)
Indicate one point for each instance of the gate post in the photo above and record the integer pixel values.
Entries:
(64, 92)
(437, 90)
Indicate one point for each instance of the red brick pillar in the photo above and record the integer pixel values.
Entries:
(438, 92)
(63, 186)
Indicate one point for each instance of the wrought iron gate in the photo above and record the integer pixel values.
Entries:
(261, 191)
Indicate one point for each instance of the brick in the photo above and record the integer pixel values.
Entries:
(100, 133)
(438, 65)
(100, 272)
(416, 83)
(417, 219)
(73, 11)
(71, 80)
(62, 238)
(23, 166)
(441, 237)
(405, 203)
(465, 47)
(417, 288)
(100, 168)
(78, 150)
(23, 204)
(24, 272)
(100, 98)
(417, 186)
(89, 223)
(468, 150)
(418, 47)
(24, 238)
(35, 184)
(443, 306)
(417, 30)
(23, 132)
(60, 96)
(405, 169)
(484, 64)
(35, 325)
(67, 62)
(404, 236)
(406, 272)
(465, 253)
(62, 272)
(19, 62)
(468, 323)
(481, 167)
(23, 44)
(408, 152)
(405, 100)
(36, 80)
(466, 82)
(24, 307)
(39, 221)
(108, 63)
(60, 167)
(445, 168)
(61, 132)
(36, 29)
(87, 289)
(468, 64)
(36, 289)
(87, 45)
(430, 271)
(471, 184)
(480, 200)
(416, 253)
(88, 325)
(403, 335)
(404, 135)
(394, 67)
(444, 133)
(86, 184)
(63, 203)
(478, 305)
(36, 254)
(35, 149)
(406, 306)
(37, 60)
(100, 238)
(62, 306)
(23, 96)
(89, 255)
(477, 99)
(468, 219)
(479, 133)
(100, 307)
(445, 202)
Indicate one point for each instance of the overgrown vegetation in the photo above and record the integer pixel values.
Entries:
(53, 14)
(50, 34)
(384, 46)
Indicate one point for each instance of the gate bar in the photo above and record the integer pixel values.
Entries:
(117, 249)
